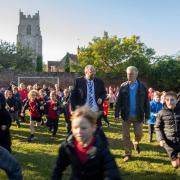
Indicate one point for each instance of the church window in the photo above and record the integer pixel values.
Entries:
(28, 29)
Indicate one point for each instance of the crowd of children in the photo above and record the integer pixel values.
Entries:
(46, 101)
(92, 153)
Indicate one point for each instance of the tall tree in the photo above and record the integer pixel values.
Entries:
(67, 63)
(112, 54)
(16, 57)
(165, 73)
(7, 55)
(25, 59)
(39, 64)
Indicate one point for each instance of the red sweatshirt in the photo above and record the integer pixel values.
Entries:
(105, 107)
(33, 106)
(51, 112)
(23, 94)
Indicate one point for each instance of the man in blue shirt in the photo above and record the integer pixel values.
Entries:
(134, 106)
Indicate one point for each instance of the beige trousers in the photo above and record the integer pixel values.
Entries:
(138, 133)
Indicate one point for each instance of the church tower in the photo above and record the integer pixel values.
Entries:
(29, 33)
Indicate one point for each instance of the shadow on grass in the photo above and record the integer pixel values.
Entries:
(38, 163)
(42, 135)
(149, 175)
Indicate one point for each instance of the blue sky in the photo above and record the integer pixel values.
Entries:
(65, 24)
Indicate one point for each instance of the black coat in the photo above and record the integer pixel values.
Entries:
(12, 102)
(5, 138)
(168, 125)
(123, 102)
(99, 165)
(79, 92)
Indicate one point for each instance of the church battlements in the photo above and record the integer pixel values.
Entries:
(28, 16)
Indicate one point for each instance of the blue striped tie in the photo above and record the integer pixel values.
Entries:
(90, 87)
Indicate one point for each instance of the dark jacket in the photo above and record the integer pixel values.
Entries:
(47, 106)
(10, 165)
(99, 165)
(168, 125)
(12, 102)
(123, 102)
(5, 119)
(79, 92)
(2, 101)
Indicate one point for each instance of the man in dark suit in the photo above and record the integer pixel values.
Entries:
(88, 90)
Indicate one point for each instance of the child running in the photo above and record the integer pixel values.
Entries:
(155, 107)
(168, 128)
(35, 115)
(52, 109)
(85, 151)
(12, 107)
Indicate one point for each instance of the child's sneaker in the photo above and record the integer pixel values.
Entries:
(31, 137)
(127, 158)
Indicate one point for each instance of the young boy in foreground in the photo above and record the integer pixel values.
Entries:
(85, 151)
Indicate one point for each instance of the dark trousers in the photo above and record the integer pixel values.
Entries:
(106, 119)
(99, 118)
(53, 125)
(151, 131)
(67, 118)
(173, 150)
(111, 105)
(5, 139)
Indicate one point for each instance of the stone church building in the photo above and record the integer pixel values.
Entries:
(29, 33)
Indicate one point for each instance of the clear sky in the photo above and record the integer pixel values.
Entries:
(65, 24)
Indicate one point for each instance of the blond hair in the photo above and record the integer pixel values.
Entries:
(85, 112)
(156, 93)
(32, 92)
(53, 93)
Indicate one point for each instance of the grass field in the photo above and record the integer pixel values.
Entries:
(37, 159)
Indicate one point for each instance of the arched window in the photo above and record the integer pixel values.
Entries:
(28, 29)
(28, 44)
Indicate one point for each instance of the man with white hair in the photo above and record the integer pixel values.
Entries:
(88, 90)
(133, 103)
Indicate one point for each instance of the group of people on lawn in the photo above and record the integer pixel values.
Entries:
(86, 147)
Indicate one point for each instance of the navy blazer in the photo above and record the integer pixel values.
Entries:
(79, 92)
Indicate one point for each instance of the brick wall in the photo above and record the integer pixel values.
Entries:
(65, 79)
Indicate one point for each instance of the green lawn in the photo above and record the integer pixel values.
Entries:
(37, 159)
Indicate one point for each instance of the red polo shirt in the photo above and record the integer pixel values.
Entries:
(81, 151)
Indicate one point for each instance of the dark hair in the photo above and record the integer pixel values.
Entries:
(171, 93)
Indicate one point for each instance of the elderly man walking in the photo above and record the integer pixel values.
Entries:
(133, 104)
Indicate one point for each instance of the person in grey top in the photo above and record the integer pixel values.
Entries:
(9, 164)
